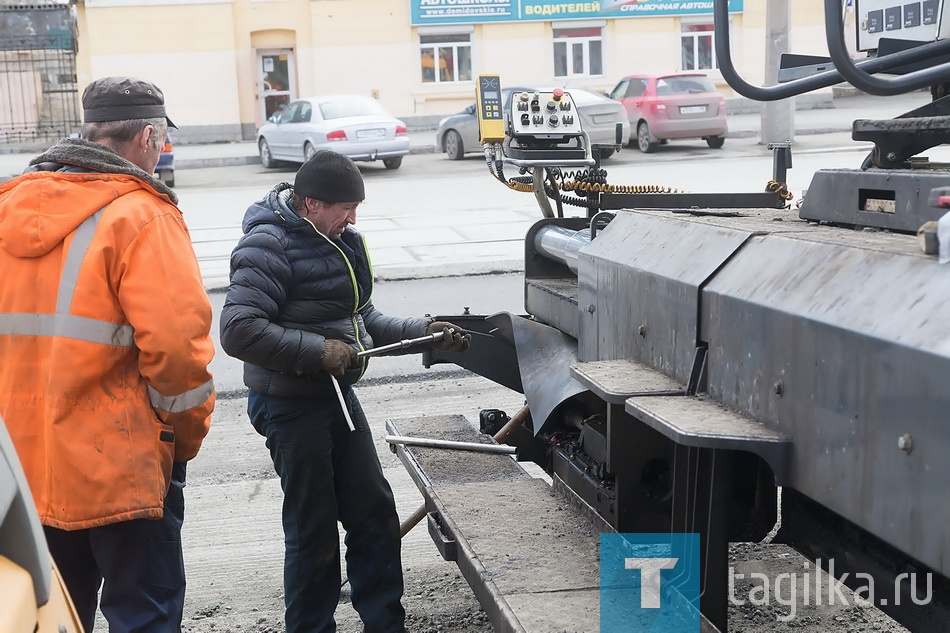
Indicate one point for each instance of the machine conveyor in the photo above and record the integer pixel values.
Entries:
(516, 540)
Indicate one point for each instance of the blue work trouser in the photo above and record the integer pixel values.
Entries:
(330, 474)
(138, 563)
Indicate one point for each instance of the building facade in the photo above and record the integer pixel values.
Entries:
(226, 65)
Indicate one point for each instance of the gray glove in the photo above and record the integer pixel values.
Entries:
(455, 340)
(337, 357)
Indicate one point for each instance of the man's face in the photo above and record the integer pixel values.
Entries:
(331, 218)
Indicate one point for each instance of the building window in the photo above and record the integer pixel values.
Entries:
(699, 51)
(446, 58)
(578, 52)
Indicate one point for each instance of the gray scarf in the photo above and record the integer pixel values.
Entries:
(76, 155)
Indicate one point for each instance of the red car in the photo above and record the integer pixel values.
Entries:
(672, 106)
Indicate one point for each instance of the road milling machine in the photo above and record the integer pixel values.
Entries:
(717, 364)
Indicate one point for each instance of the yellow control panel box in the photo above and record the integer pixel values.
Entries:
(490, 110)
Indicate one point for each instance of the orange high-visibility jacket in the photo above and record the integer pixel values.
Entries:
(104, 343)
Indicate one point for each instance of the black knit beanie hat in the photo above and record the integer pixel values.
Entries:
(330, 177)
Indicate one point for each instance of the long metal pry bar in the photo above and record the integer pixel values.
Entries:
(408, 342)
(382, 349)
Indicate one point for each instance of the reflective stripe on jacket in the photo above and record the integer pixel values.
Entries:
(104, 343)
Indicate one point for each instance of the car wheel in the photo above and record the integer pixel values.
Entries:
(453, 145)
(308, 151)
(606, 153)
(167, 176)
(267, 159)
(392, 163)
(715, 142)
(643, 138)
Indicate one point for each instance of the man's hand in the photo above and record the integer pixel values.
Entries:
(455, 339)
(337, 357)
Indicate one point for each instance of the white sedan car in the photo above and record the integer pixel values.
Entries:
(458, 134)
(354, 125)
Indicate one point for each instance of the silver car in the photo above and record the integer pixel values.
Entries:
(354, 125)
(458, 134)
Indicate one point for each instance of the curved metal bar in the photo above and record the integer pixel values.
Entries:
(740, 85)
(605, 216)
(834, 25)
(815, 82)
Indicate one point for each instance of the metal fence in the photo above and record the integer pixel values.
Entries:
(39, 97)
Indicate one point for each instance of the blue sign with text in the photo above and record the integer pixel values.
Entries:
(649, 583)
(476, 11)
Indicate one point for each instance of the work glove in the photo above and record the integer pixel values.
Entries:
(455, 340)
(337, 357)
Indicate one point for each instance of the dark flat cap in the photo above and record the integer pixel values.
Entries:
(121, 99)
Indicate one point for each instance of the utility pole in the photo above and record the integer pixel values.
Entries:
(777, 117)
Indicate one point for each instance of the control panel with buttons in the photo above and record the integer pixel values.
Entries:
(917, 20)
(543, 115)
(491, 121)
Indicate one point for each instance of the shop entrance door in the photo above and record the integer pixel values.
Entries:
(276, 80)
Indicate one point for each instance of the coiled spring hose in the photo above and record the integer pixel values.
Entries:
(779, 188)
(592, 180)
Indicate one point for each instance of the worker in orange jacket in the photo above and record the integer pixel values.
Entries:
(104, 352)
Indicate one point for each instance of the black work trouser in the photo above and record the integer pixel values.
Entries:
(138, 563)
(328, 474)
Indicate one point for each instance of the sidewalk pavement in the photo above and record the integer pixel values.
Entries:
(836, 119)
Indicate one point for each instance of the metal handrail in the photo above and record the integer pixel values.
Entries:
(834, 26)
(835, 36)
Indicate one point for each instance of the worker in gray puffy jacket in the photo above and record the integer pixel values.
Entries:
(298, 308)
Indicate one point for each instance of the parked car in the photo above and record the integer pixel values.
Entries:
(458, 134)
(672, 106)
(165, 170)
(354, 125)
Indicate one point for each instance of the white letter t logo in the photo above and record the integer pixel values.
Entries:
(649, 578)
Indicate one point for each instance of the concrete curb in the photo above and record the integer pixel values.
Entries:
(422, 149)
(232, 161)
(218, 161)
(802, 132)
(440, 271)
(420, 271)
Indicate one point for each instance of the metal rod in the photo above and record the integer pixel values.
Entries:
(459, 446)
(408, 342)
(561, 244)
(511, 425)
(339, 395)
(516, 420)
